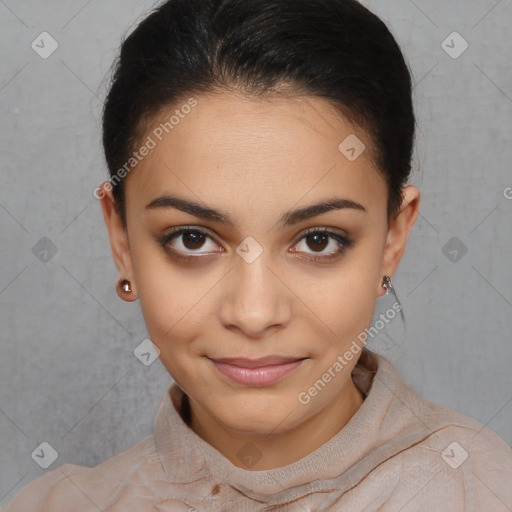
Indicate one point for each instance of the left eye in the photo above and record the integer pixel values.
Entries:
(320, 240)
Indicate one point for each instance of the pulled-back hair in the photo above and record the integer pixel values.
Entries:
(333, 49)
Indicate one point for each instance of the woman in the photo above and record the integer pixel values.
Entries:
(258, 205)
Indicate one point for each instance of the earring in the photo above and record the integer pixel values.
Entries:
(388, 286)
(124, 290)
(126, 286)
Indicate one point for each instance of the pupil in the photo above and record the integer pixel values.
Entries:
(196, 240)
(319, 242)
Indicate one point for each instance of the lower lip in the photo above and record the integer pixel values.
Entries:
(262, 376)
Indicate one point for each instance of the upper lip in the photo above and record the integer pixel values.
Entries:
(256, 363)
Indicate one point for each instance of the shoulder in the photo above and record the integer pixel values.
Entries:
(33, 496)
(459, 459)
(470, 468)
(71, 487)
(449, 458)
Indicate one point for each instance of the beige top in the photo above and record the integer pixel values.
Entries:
(397, 453)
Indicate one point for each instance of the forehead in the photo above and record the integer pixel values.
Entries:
(242, 152)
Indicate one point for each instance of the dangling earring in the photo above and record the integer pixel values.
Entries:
(388, 286)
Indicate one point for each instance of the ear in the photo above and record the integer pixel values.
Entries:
(117, 233)
(398, 232)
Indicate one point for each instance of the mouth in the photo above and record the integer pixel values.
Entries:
(260, 362)
(257, 372)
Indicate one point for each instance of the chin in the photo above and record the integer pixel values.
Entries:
(256, 420)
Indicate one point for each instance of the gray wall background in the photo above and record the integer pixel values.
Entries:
(68, 373)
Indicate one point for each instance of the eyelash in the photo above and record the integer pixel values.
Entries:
(176, 232)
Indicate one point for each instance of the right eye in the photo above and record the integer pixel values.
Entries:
(186, 241)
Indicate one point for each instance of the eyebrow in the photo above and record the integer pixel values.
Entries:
(287, 219)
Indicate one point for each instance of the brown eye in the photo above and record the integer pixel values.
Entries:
(316, 241)
(186, 241)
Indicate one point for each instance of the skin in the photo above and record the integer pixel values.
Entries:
(255, 159)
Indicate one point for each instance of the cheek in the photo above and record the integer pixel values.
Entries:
(346, 301)
(176, 303)
(163, 292)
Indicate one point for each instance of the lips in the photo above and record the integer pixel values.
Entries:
(258, 363)
(264, 371)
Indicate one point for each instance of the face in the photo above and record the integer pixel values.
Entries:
(253, 270)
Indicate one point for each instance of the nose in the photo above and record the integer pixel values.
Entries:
(256, 301)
